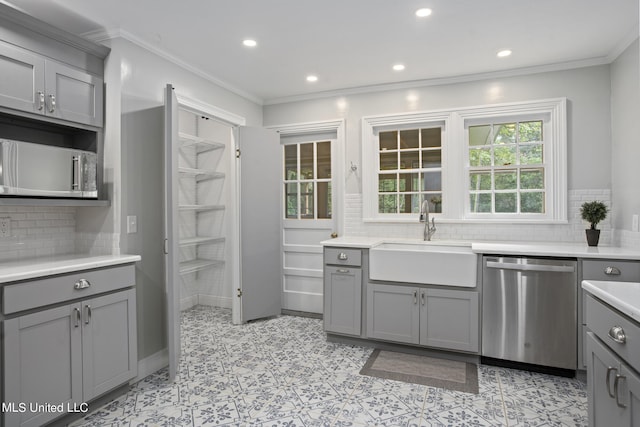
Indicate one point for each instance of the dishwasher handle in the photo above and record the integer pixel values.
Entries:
(531, 267)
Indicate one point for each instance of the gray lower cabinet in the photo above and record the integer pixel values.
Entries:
(433, 317)
(36, 84)
(68, 355)
(342, 299)
(613, 387)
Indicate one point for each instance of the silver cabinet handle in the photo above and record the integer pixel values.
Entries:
(530, 267)
(87, 320)
(608, 381)
(82, 284)
(342, 270)
(422, 297)
(40, 100)
(612, 271)
(415, 297)
(615, 389)
(342, 256)
(52, 103)
(617, 335)
(75, 172)
(78, 317)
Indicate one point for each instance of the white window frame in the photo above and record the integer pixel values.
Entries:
(455, 159)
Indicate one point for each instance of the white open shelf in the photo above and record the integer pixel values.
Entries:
(202, 145)
(201, 174)
(201, 208)
(196, 265)
(199, 240)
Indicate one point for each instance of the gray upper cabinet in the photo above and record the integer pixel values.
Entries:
(36, 84)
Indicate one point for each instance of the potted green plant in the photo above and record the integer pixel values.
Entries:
(593, 213)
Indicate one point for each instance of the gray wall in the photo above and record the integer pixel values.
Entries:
(587, 91)
(134, 144)
(625, 131)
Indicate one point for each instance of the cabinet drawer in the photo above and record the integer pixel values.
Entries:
(343, 256)
(620, 271)
(56, 289)
(601, 319)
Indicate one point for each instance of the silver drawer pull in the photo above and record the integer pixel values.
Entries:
(342, 256)
(82, 284)
(617, 334)
(342, 270)
(612, 271)
(608, 381)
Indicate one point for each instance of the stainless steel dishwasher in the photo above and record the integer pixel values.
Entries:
(529, 311)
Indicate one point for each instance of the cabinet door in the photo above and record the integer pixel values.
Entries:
(342, 300)
(631, 388)
(108, 342)
(42, 363)
(449, 319)
(22, 81)
(602, 367)
(393, 313)
(73, 94)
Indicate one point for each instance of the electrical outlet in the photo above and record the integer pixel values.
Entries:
(5, 227)
(634, 222)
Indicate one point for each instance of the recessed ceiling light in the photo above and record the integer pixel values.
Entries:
(421, 13)
(504, 53)
(398, 67)
(249, 43)
(312, 78)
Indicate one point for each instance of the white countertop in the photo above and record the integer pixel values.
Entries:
(573, 250)
(623, 296)
(39, 267)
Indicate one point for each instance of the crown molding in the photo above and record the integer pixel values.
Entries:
(102, 35)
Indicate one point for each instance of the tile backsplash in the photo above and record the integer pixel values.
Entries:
(571, 232)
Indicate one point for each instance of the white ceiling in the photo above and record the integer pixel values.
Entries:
(354, 43)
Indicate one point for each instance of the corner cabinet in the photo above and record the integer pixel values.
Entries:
(440, 318)
(343, 291)
(68, 353)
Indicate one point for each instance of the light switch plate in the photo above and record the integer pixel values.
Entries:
(132, 224)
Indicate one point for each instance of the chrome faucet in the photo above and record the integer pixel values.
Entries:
(429, 230)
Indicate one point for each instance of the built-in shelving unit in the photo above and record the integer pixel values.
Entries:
(201, 205)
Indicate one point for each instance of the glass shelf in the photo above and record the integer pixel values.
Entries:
(195, 265)
(202, 144)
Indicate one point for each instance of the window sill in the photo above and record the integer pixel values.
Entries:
(440, 220)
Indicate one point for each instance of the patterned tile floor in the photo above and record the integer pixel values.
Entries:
(283, 372)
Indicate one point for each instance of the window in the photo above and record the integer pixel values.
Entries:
(506, 167)
(307, 180)
(410, 170)
(501, 162)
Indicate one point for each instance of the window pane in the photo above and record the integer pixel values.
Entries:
(290, 162)
(504, 133)
(505, 155)
(431, 158)
(409, 139)
(306, 200)
(324, 159)
(431, 137)
(387, 203)
(409, 182)
(532, 179)
(506, 202)
(306, 161)
(409, 159)
(389, 161)
(530, 131)
(409, 203)
(435, 203)
(480, 181)
(506, 180)
(480, 157)
(480, 203)
(324, 200)
(432, 181)
(531, 154)
(479, 135)
(532, 202)
(291, 200)
(387, 182)
(388, 140)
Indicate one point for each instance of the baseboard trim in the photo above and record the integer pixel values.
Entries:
(214, 301)
(151, 364)
(188, 302)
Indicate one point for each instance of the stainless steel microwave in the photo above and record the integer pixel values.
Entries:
(28, 169)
